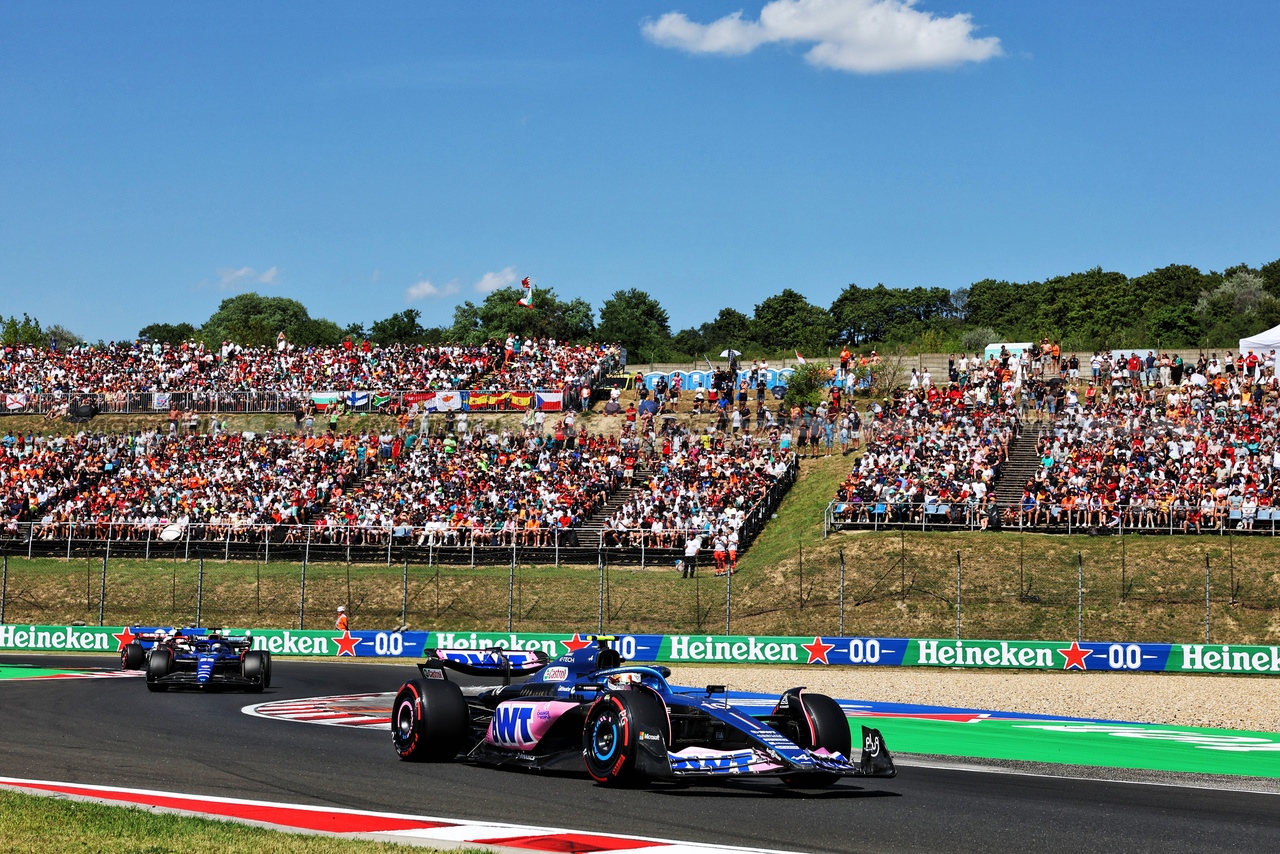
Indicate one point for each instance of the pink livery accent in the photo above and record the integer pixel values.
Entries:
(521, 724)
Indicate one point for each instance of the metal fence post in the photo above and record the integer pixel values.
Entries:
(306, 551)
(957, 594)
(186, 555)
(391, 535)
(1079, 598)
(511, 585)
(404, 599)
(4, 586)
(302, 597)
(1206, 598)
(102, 593)
(841, 592)
(31, 535)
(728, 600)
(70, 528)
(226, 552)
(200, 595)
(556, 532)
(266, 555)
(147, 557)
(600, 566)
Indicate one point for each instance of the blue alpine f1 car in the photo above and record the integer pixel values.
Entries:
(625, 723)
(200, 659)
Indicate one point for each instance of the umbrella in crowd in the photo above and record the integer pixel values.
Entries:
(729, 354)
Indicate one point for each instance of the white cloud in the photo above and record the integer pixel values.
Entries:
(491, 282)
(233, 278)
(862, 36)
(423, 289)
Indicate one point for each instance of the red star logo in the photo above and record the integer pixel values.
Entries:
(347, 644)
(818, 650)
(577, 643)
(125, 637)
(1075, 656)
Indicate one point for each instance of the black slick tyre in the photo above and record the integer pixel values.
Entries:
(133, 657)
(158, 666)
(256, 668)
(611, 734)
(429, 721)
(815, 721)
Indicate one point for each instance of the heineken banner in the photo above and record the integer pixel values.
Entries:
(714, 649)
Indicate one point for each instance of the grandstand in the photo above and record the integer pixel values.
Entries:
(473, 491)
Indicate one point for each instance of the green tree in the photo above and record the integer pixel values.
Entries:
(317, 332)
(788, 321)
(638, 322)
(168, 333)
(24, 331)
(501, 315)
(730, 329)
(401, 328)
(63, 337)
(808, 385)
(1173, 326)
(1271, 275)
(254, 321)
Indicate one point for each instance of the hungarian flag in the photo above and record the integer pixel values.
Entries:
(801, 359)
(526, 299)
(324, 399)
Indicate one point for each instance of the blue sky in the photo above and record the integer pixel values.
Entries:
(363, 158)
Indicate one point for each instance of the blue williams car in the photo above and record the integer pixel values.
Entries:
(199, 659)
(623, 723)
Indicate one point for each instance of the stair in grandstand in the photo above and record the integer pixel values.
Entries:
(590, 532)
(1020, 467)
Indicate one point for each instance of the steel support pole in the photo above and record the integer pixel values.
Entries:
(200, 595)
(102, 592)
(842, 593)
(1207, 622)
(404, 598)
(4, 587)
(958, 594)
(1079, 598)
(511, 586)
(302, 597)
(728, 600)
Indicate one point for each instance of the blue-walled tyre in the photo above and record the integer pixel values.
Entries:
(611, 734)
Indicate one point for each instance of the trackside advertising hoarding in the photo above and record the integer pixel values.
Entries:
(712, 649)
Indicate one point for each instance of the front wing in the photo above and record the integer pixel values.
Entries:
(766, 761)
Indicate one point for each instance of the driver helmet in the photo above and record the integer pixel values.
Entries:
(623, 681)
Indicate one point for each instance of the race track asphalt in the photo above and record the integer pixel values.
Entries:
(115, 732)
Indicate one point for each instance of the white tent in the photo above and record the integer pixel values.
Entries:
(1262, 342)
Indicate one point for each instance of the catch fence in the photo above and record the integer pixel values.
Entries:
(899, 584)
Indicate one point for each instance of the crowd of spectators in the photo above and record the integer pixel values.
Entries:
(118, 372)
(1190, 459)
(1127, 440)
(692, 487)
(929, 453)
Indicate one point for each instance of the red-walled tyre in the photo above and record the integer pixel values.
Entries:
(429, 721)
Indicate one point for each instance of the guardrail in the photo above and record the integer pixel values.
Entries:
(1044, 519)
